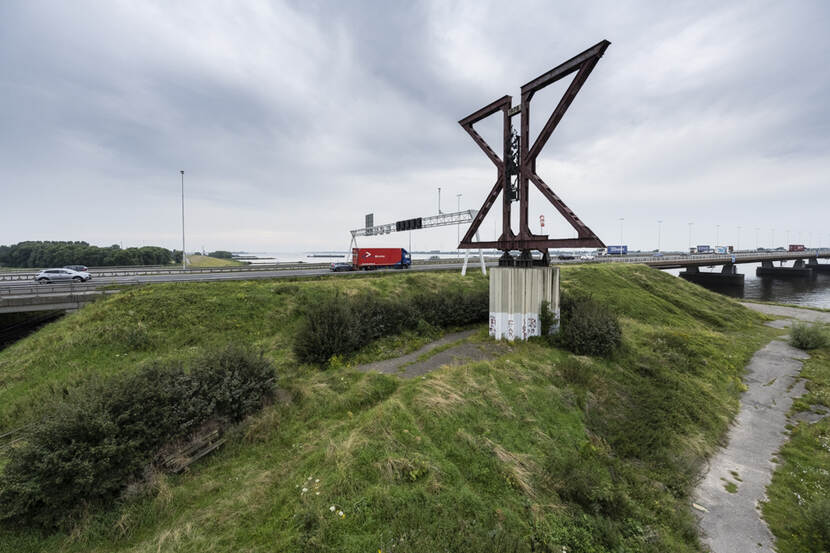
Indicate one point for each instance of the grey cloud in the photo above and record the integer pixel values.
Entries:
(293, 119)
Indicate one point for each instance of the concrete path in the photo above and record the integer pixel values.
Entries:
(806, 315)
(727, 501)
(408, 366)
(738, 475)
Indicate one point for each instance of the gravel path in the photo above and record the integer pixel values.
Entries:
(728, 498)
(408, 365)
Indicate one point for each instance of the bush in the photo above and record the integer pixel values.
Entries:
(339, 325)
(818, 525)
(805, 336)
(104, 434)
(588, 327)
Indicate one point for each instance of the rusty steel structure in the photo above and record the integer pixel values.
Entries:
(517, 166)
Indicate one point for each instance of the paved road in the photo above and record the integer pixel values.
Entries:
(20, 287)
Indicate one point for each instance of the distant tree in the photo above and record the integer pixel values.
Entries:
(56, 254)
(221, 254)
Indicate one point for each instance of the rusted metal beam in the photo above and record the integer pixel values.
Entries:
(582, 64)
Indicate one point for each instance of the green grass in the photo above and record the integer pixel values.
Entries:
(798, 511)
(198, 261)
(530, 451)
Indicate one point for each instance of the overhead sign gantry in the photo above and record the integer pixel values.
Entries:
(441, 220)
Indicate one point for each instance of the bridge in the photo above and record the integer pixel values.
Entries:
(19, 292)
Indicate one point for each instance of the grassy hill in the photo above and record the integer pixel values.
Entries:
(531, 451)
(197, 261)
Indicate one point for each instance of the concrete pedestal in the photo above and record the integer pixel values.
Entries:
(799, 269)
(813, 264)
(516, 296)
(728, 275)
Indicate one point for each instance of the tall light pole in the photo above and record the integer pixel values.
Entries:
(621, 230)
(690, 235)
(757, 230)
(458, 226)
(184, 257)
(439, 200)
(659, 224)
(738, 243)
(717, 235)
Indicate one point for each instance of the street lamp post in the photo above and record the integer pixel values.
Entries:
(717, 235)
(690, 235)
(439, 200)
(184, 257)
(458, 226)
(659, 224)
(757, 230)
(621, 230)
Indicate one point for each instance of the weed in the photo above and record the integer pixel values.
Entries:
(806, 336)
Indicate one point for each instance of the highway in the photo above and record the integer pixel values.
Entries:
(24, 284)
(20, 283)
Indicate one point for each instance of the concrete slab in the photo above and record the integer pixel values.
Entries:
(738, 475)
(807, 315)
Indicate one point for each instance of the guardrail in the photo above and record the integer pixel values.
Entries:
(162, 270)
(58, 289)
(683, 259)
(706, 259)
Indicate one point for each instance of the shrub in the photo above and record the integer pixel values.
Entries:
(547, 319)
(339, 325)
(588, 327)
(104, 434)
(328, 328)
(818, 525)
(805, 336)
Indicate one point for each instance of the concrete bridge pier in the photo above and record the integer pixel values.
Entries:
(813, 264)
(728, 275)
(799, 269)
(516, 298)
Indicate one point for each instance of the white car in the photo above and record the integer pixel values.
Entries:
(586, 257)
(47, 276)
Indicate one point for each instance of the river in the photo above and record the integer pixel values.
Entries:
(811, 291)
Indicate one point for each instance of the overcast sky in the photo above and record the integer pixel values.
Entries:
(292, 120)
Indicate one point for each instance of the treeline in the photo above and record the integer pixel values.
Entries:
(57, 254)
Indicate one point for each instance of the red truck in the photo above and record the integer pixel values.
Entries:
(797, 247)
(378, 258)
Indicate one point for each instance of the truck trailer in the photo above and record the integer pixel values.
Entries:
(616, 250)
(368, 259)
(797, 247)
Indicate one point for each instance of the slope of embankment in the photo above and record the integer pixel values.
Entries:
(530, 451)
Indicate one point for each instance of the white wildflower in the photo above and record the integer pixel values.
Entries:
(332, 508)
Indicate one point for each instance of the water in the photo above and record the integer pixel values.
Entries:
(807, 291)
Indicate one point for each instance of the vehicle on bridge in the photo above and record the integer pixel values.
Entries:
(48, 276)
(797, 247)
(367, 259)
(703, 249)
(338, 266)
(616, 250)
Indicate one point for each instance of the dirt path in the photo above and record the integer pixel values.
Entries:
(728, 499)
(408, 366)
